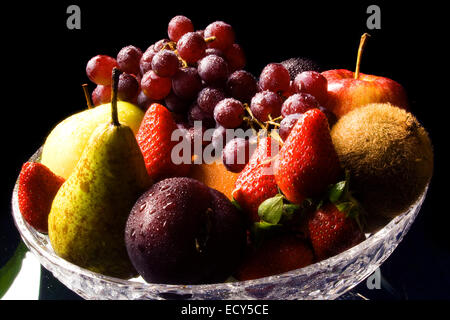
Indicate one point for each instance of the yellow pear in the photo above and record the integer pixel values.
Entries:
(66, 142)
(89, 212)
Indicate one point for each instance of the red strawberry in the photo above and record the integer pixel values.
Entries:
(256, 182)
(277, 254)
(37, 188)
(332, 231)
(307, 163)
(154, 139)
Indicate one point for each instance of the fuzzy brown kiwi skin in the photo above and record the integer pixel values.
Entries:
(388, 154)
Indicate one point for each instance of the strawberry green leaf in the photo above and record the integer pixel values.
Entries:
(260, 230)
(288, 211)
(337, 191)
(235, 203)
(344, 207)
(271, 210)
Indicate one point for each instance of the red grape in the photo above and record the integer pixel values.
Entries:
(154, 86)
(242, 85)
(288, 123)
(175, 103)
(314, 83)
(165, 63)
(191, 47)
(298, 103)
(274, 77)
(218, 139)
(213, 70)
(159, 45)
(195, 113)
(178, 26)
(223, 32)
(101, 95)
(99, 69)
(145, 63)
(289, 92)
(144, 102)
(235, 57)
(236, 154)
(208, 98)
(214, 51)
(332, 119)
(229, 113)
(128, 59)
(266, 103)
(186, 83)
(201, 32)
(127, 88)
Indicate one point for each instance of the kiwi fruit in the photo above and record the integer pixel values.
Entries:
(389, 157)
(297, 65)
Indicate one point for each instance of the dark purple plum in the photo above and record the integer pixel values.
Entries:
(182, 232)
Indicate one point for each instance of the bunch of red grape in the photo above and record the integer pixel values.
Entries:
(199, 76)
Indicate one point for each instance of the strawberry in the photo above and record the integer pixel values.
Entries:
(256, 182)
(277, 254)
(307, 163)
(37, 188)
(332, 230)
(154, 139)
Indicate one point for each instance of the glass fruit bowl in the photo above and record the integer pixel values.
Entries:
(327, 279)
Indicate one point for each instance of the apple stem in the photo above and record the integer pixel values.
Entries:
(115, 83)
(87, 96)
(362, 43)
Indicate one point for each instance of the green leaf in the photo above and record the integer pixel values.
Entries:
(261, 230)
(320, 204)
(289, 210)
(344, 207)
(271, 210)
(11, 269)
(337, 191)
(236, 204)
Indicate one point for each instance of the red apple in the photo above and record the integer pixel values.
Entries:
(348, 90)
(346, 93)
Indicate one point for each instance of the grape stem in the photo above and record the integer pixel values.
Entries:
(252, 117)
(171, 45)
(210, 39)
(87, 96)
(115, 83)
(362, 44)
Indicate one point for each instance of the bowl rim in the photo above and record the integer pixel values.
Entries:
(371, 239)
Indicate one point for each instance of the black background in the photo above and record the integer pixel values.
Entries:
(44, 68)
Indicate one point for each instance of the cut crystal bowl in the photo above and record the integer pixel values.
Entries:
(327, 279)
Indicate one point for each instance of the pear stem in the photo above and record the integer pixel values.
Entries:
(115, 83)
(87, 96)
(362, 44)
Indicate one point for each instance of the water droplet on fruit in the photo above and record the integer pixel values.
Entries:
(142, 207)
(167, 205)
(164, 188)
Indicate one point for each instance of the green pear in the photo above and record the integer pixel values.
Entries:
(89, 212)
(66, 142)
